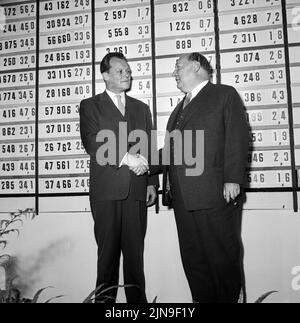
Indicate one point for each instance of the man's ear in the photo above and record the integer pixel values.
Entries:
(105, 76)
(196, 67)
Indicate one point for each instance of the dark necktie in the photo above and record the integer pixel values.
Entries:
(187, 100)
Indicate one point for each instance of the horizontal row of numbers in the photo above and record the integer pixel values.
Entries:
(53, 148)
(139, 87)
(61, 185)
(182, 9)
(46, 112)
(55, 7)
(164, 29)
(17, 132)
(256, 118)
(255, 77)
(18, 28)
(122, 15)
(259, 138)
(252, 39)
(70, 38)
(46, 8)
(124, 33)
(54, 130)
(17, 45)
(259, 19)
(269, 179)
(274, 158)
(19, 11)
(53, 76)
(15, 62)
(270, 138)
(274, 56)
(255, 179)
(256, 159)
(52, 24)
(272, 96)
(75, 92)
(46, 167)
(65, 22)
(17, 79)
(76, 56)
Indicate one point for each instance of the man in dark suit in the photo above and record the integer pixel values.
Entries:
(208, 207)
(119, 196)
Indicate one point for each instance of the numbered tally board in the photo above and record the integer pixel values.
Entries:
(50, 54)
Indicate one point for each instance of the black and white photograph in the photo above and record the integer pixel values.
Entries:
(150, 154)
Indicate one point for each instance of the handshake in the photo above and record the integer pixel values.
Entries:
(136, 163)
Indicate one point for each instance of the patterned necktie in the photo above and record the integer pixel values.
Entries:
(121, 106)
(187, 100)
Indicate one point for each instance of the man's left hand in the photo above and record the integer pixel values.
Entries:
(151, 195)
(231, 191)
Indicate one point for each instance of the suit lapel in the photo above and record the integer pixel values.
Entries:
(173, 117)
(130, 115)
(196, 104)
(109, 110)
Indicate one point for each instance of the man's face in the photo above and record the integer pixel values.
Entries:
(118, 78)
(184, 74)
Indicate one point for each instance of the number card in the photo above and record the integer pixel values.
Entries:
(252, 58)
(63, 166)
(230, 5)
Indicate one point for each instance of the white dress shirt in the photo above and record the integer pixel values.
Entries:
(114, 98)
(198, 88)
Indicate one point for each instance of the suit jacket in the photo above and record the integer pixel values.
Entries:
(220, 112)
(109, 182)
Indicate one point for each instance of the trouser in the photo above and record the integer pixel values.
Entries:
(211, 250)
(120, 226)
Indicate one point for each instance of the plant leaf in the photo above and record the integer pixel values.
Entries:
(3, 223)
(263, 297)
(155, 300)
(53, 298)
(90, 299)
(38, 293)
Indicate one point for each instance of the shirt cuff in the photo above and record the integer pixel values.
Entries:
(123, 161)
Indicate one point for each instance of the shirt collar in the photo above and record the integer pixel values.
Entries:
(113, 95)
(198, 88)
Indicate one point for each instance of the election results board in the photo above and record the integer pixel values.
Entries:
(50, 54)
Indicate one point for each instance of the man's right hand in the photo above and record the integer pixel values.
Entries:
(138, 164)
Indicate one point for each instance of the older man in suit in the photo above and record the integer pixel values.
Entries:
(208, 207)
(119, 196)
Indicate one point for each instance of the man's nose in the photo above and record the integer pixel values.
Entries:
(127, 75)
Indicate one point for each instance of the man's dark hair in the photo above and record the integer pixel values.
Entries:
(197, 57)
(105, 64)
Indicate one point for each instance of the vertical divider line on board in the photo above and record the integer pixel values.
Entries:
(37, 57)
(217, 42)
(93, 26)
(154, 90)
(290, 105)
(153, 54)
